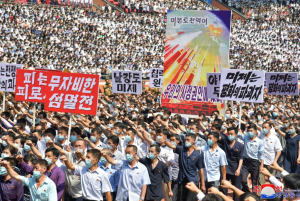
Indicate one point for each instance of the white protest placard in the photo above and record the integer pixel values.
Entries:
(127, 82)
(213, 85)
(8, 76)
(282, 83)
(156, 77)
(242, 85)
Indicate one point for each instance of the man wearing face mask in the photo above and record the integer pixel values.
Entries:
(272, 149)
(234, 153)
(214, 160)
(10, 189)
(46, 187)
(94, 141)
(94, 180)
(190, 164)
(53, 172)
(76, 157)
(158, 172)
(130, 139)
(62, 136)
(112, 174)
(112, 144)
(254, 157)
(132, 171)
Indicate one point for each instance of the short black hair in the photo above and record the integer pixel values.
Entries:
(212, 197)
(76, 130)
(51, 131)
(248, 194)
(114, 139)
(132, 130)
(268, 124)
(38, 131)
(12, 161)
(6, 114)
(97, 130)
(63, 128)
(157, 148)
(54, 151)
(29, 158)
(33, 139)
(95, 153)
(43, 113)
(64, 121)
(292, 181)
(11, 149)
(177, 137)
(232, 128)
(22, 139)
(132, 146)
(41, 162)
(214, 134)
(191, 135)
(252, 126)
(217, 126)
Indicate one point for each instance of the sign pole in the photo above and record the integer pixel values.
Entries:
(225, 107)
(240, 114)
(33, 114)
(70, 126)
(3, 109)
(283, 105)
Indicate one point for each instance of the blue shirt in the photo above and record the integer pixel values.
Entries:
(188, 165)
(46, 192)
(213, 161)
(131, 180)
(113, 176)
(233, 154)
(255, 149)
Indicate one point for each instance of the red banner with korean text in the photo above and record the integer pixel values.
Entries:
(62, 92)
(31, 85)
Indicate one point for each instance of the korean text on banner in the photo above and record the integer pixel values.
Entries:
(127, 82)
(213, 85)
(72, 93)
(156, 77)
(242, 85)
(8, 76)
(31, 85)
(282, 83)
(197, 42)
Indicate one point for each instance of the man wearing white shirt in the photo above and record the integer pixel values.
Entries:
(134, 176)
(94, 180)
(272, 149)
(131, 140)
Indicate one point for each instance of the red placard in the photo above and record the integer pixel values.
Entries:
(72, 93)
(60, 92)
(31, 85)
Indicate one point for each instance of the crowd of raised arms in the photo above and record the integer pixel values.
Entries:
(134, 149)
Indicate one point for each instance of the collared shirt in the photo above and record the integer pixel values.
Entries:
(73, 181)
(45, 192)
(255, 149)
(188, 165)
(213, 161)
(11, 190)
(131, 180)
(175, 167)
(112, 174)
(200, 141)
(157, 174)
(233, 154)
(271, 145)
(56, 175)
(141, 149)
(118, 155)
(94, 184)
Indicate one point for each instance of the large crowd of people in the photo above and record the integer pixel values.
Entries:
(134, 149)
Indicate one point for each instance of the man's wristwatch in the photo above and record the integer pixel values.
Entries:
(143, 199)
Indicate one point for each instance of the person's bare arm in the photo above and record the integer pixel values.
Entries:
(35, 151)
(169, 144)
(279, 131)
(92, 145)
(52, 144)
(109, 159)
(146, 137)
(68, 164)
(143, 193)
(227, 185)
(214, 190)
(108, 196)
